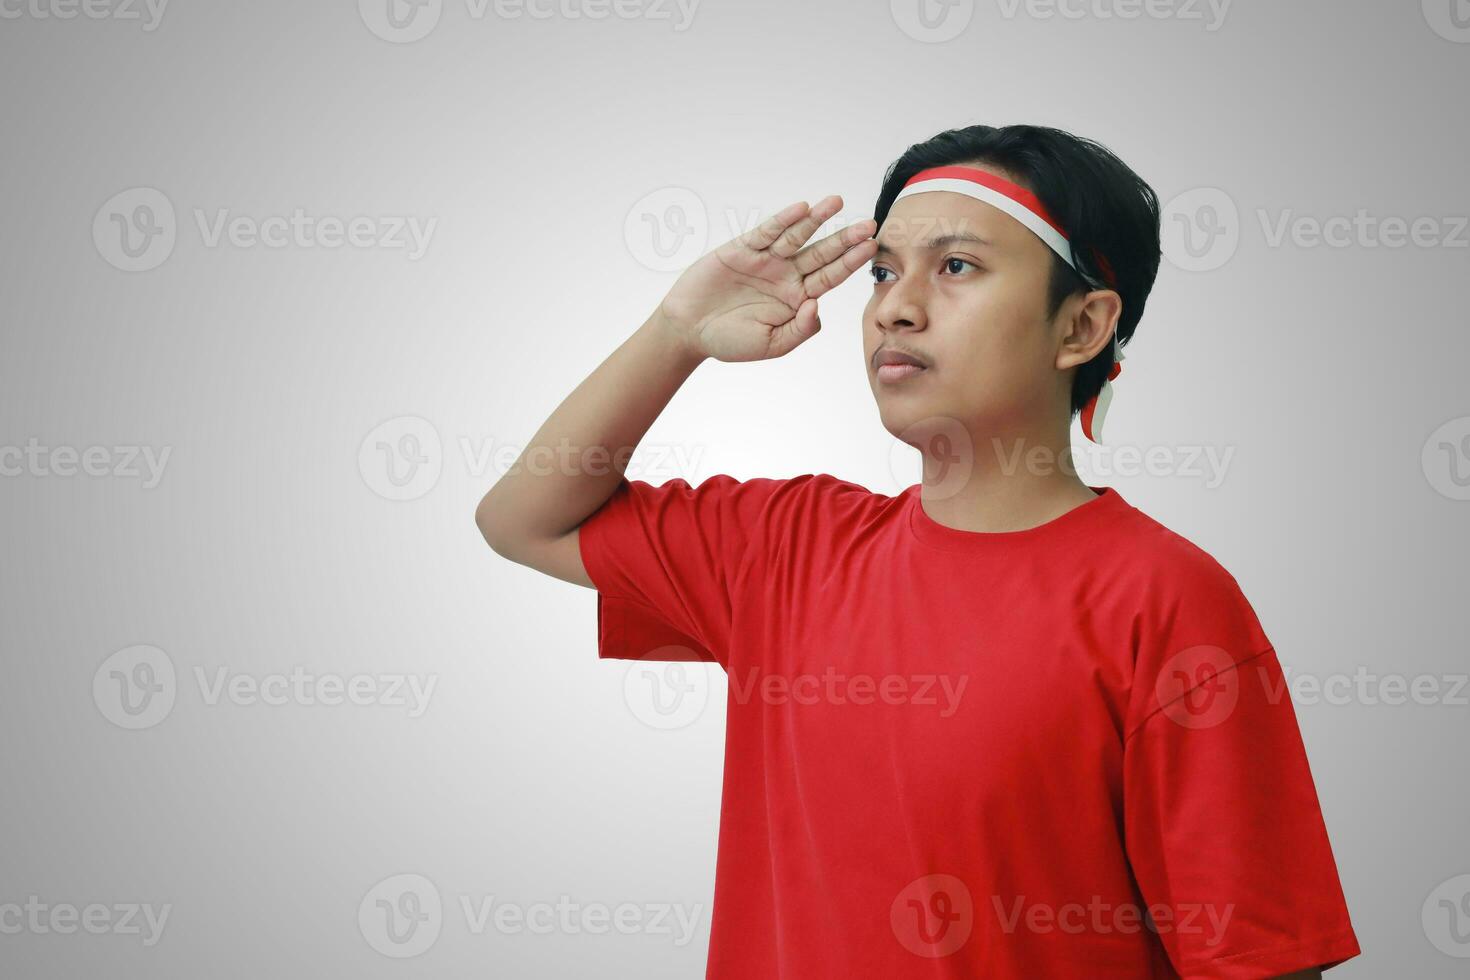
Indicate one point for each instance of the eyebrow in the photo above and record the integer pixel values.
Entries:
(939, 242)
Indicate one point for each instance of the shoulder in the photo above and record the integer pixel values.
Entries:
(756, 501)
(803, 490)
(840, 500)
(806, 510)
(1166, 563)
(1189, 616)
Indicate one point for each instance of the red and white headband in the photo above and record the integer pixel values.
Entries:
(1027, 208)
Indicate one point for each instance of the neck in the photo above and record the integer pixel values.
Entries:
(1016, 482)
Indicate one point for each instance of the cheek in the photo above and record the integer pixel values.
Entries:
(995, 299)
(870, 331)
(1004, 319)
(989, 334)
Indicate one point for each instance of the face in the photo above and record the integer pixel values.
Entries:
(962, 286)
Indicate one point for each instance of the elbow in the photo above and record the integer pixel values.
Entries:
(489, 527)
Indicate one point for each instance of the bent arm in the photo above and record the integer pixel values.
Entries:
(576, 459)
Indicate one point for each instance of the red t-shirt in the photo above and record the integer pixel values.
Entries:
(1066, 751)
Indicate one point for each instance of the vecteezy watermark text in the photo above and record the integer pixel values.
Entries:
(832, 686)
(121, 462)
(1102, 918)
(949, 443)
(1211, 13)
(406, 21)
(63, 918)
(122, 10)
(136, 230)
(137, 686)
(404, 914)
(403, 458)
(300, 687)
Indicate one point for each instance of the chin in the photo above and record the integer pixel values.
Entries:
(932, 425)
(909, 420)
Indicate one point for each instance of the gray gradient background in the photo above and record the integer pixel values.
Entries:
(536, 770)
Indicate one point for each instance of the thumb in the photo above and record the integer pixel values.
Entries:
(803, 326)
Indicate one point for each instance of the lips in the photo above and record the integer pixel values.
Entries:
(892, 355)
(892, 364)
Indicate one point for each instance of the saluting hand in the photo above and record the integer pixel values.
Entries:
(755, 297)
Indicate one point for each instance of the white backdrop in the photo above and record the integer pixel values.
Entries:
(286, 286)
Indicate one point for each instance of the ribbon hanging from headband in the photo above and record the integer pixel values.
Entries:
(1027, 208)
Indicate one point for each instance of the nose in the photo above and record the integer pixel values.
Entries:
(902, 307)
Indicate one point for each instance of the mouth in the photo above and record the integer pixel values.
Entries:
(893, 365)
(890, 373)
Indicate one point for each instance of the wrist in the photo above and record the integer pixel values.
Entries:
(679, 339)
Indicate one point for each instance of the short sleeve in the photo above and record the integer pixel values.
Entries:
(665, 561)
(1223, 828)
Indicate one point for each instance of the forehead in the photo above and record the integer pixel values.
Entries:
(944, 219)
(918, 220)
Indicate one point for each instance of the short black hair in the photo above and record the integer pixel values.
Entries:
(1098, 199)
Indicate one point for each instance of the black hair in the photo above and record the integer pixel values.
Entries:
(1104, 206)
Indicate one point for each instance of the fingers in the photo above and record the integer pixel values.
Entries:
(803, 326)
(839, 268)
(763, 234)
(815, 256)
(793, 238)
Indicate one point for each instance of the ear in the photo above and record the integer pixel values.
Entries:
(1087, 324)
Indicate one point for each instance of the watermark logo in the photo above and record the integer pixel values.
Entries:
(932, 21)
(1450, 19)
(936, 21)
(933, 915)
(942, 692)
(1198, 687)
(306, 689)
(402, 458)
(400, 21)
(1365, 687)
(1362, 230)
(135, 688)
(667, 696)
(1106, 918)
(666, 230)
(1205, 463)
(1200, 229)
(573, 918)
(406, 21)
(1446, 916)
(1446, 459)
(301, 230)
(1211, 13)
(946, 443)
(401, 916)
(135, 230)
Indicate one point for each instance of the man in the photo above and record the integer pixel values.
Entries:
(1002, 724)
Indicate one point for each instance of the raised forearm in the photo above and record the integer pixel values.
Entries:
(575, 460)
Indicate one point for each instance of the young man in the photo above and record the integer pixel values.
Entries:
(1000, 725)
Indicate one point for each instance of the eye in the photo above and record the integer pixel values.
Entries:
(960, 261)
(873, 270)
